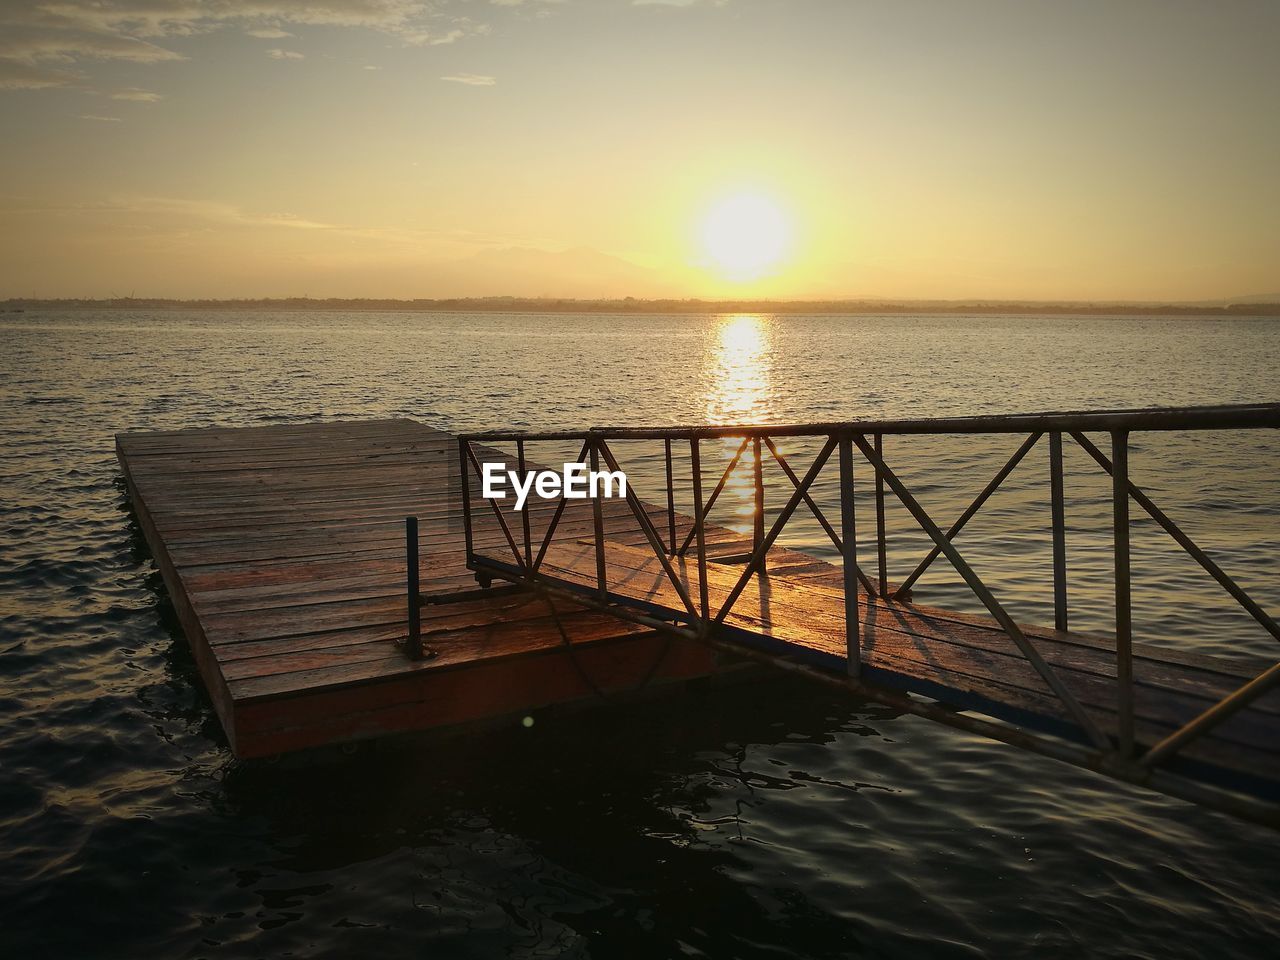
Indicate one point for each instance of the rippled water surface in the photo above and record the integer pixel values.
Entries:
(768, 821)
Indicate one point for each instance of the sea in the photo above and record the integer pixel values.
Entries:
(770, 820)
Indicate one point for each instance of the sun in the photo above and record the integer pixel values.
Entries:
(746, 235)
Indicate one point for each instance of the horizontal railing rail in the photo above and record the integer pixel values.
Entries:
(847, 444)
(1224, 417)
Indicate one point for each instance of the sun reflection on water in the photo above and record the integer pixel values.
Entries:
(740, 375)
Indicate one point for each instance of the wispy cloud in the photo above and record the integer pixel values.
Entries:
(178, 18)
(26, 76)
(429, 38)
(201, 211)
(275, 53)
(471, 79)
(90, 116)
(43, 44)
(42, 41)
(172, 233)
(137, 95)
(179, 213)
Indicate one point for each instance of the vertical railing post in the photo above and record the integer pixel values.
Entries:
(597, 517)
(849, 541)
(757, 480)
(463, 448)
(700, 531)
(671, 498)
(1058, 509)
(1124, 622)
(881, 545)
(524, 514)
(413, 644)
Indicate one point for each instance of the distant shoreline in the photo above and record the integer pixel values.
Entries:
(641, 307)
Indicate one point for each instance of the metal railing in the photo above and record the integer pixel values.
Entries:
(853, 442)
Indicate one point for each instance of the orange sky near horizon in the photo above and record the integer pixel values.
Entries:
(745, 148)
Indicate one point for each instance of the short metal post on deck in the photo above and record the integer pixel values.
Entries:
(671, 498)
(597, 517)
(413, 644)
(880, 537)
(757, 479)
(1124, 622)
(1058, 509)
(849, 540)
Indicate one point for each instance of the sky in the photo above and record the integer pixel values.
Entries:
(954, 149)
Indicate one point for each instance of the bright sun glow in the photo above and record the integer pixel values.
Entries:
(745, 235)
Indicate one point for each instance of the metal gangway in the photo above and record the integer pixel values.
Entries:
(1194, 726)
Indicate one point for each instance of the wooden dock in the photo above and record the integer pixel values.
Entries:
(282, 548)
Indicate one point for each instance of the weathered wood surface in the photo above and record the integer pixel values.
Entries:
(963, 659)
(283, 550)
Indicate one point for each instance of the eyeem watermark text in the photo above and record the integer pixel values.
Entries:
(575, 482)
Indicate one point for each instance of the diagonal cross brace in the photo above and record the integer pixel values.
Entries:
(555, 519)
(715, 493)
(817, 513)
(1215, 715)
(973, 508)
(515, 551)
(757, 558)
(646, 525)
(1184, 541)
(984, 594)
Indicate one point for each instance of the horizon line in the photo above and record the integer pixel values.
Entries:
(519, 304)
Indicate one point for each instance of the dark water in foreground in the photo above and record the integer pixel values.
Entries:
(768, 821)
